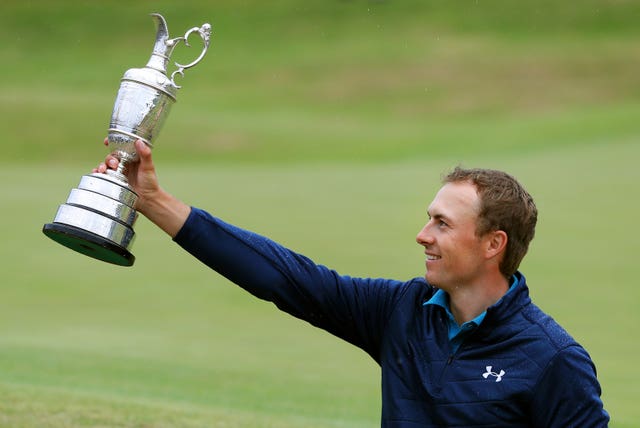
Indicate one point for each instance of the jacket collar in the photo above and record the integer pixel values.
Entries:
(511, 302)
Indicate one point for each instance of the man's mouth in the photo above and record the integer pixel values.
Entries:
(431, 257)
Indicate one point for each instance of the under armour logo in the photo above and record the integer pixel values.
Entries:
(490, 372)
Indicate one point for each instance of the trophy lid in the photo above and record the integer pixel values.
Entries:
(154, 74)
(163, 47)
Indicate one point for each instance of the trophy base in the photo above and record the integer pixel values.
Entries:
(89, 244)
(97, 219)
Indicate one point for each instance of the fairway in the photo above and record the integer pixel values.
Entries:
(327, 128)
(169, 343)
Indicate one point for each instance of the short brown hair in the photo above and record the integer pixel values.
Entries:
(504, 205)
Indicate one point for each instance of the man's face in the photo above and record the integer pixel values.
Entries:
(454, 253)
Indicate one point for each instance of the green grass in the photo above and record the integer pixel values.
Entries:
(169, 335)
(297, 108)
(328, 81)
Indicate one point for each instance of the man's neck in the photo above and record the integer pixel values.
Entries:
(467, 302)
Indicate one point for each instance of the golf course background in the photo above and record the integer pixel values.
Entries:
(325, 125)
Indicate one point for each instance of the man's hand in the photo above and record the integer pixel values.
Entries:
(153, 202)
(140, 175)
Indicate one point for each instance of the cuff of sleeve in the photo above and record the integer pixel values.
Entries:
(188, 228)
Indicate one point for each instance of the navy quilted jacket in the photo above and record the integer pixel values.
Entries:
(518, 369)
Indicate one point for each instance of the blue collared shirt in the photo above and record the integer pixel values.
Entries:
(457, 333)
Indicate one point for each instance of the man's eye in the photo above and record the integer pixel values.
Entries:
(443, 223)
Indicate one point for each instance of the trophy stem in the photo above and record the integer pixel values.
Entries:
(119, 173)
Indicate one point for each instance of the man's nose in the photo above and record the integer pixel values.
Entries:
(424, 237)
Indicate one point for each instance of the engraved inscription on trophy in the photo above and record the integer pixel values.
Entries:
(97, 219)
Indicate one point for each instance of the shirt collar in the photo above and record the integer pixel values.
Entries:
(441, 298)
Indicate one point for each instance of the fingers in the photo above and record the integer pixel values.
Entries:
(102, 168)
(111, 162)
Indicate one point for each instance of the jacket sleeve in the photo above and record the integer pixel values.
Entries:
(568, 394)
(355, 309)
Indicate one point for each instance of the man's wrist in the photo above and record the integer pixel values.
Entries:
(167, 212)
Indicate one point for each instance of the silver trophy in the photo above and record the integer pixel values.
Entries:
(97, 219)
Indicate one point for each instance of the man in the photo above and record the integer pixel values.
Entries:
(462, 347)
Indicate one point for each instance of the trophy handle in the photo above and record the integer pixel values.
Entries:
(205, 33)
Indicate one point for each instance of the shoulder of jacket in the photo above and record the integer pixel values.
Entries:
(547, 328)
(412, 293)
(419, 288)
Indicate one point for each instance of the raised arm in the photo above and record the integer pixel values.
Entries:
(355, 309)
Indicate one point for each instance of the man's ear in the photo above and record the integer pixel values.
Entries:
(496, 243)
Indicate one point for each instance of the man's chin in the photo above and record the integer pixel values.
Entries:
(434, 281)
(431, 279)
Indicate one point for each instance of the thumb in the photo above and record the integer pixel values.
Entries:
(144, 151)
